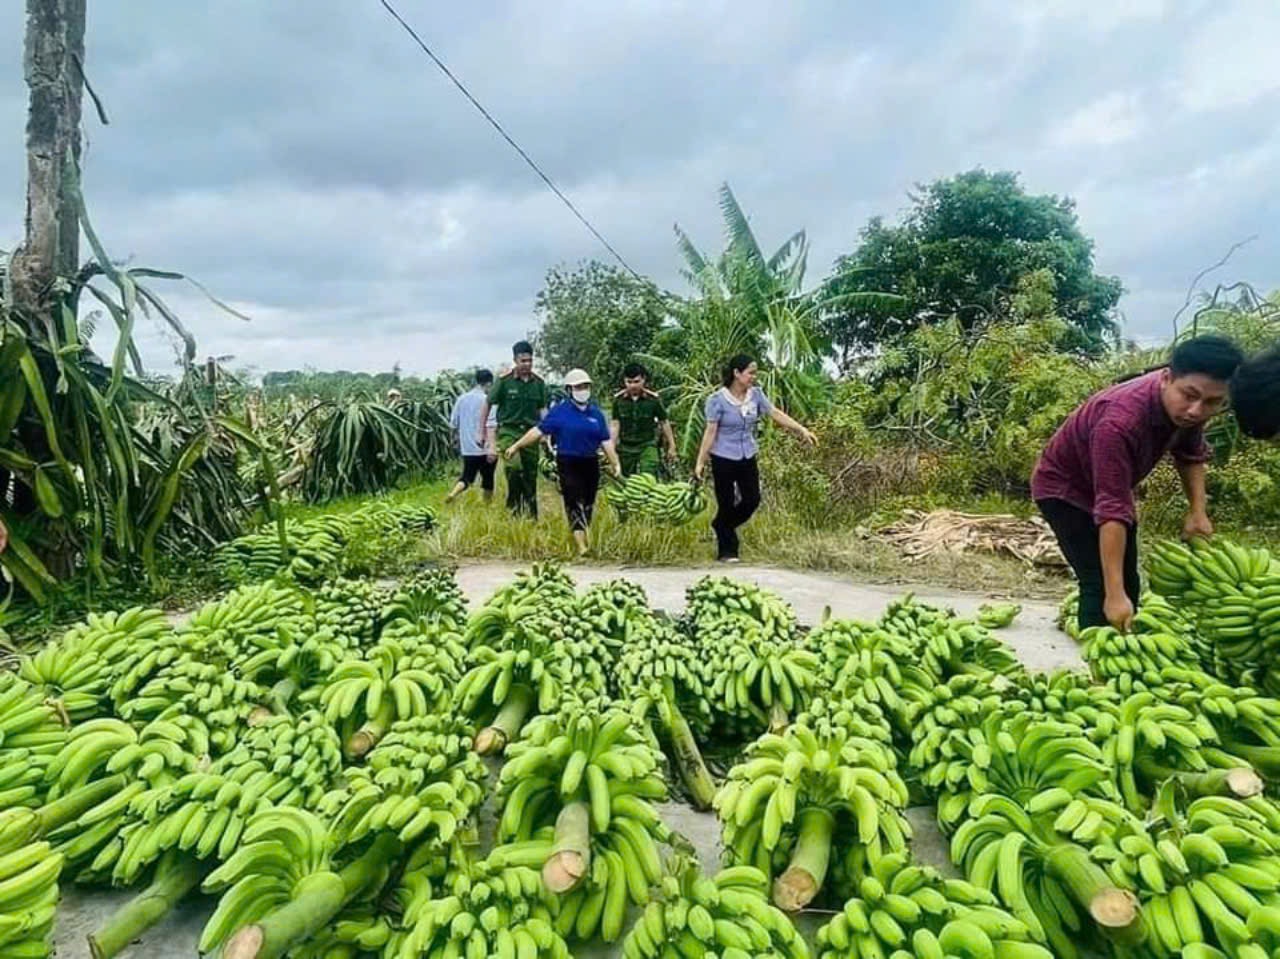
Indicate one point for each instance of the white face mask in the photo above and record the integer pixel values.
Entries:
(582, 395)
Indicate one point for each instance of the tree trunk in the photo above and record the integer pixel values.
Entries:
(54, 44)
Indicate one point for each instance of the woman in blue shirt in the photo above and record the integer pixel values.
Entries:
(579, 430)
(733, 414)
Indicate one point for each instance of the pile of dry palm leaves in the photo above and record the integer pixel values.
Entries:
(919, 534)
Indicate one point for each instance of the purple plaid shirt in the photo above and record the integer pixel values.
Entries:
(1109, 445)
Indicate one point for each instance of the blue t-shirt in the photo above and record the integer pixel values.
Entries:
(736, 422)
(575, 431)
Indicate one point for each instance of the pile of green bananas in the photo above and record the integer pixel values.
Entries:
(905, 909)
(591, 777)
(950, 647)
(75, 669)
(313, 552)
(728, 916)
(664, 678)
(295, 669)
(618, 612)
(997, 615)
(861, 663)
(32, 732)
(1202, 874)
(423, 781)
(797, 802)
(1133, 660)
(29, 875)
(642, 495)
(429, 598)
(762, 671)
(946, 724)
(351, 609)
(1232, 595)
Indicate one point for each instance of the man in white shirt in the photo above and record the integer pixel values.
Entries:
(477, 460)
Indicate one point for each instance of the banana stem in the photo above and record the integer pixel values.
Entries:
(1240, 782)
(1114, 910)
(76, 803)
(804, 877)
(778, 718)
(319, 898)
(371, 733)
(688, 758)
(281, 695)
(1265, 759)
(507, 724)
(570, 857)
(177, 874)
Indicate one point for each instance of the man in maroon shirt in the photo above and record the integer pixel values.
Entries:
(1084, 482)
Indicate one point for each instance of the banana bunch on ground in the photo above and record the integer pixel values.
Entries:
(430, 598)
(796, 803)
(208, 690)
(861, 662)
(282, 885)
(1020, 756)
(953, 646)
(592, 775)
(423, 781)
(364, 697)
(948, 745)
(294, 671)
(729, 916)
(313, 552)
(29, 875)
(908, 617)
(1155, 741)
(1202, 876)
(905, 909)
(1133, 661)
(1069, 614)
(857, 718)
(664, 678)
(352, 610)
(490, 911)
(379, 516)
(1232, 595)
(524, 642)
(618, 612)
(32, 731)
(1066, 696)
(645, 496)
(762, 673)
(76, 669)
(997, 615)
(281, 762)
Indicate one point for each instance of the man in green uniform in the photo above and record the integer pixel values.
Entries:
(521, 398)
(638, 416)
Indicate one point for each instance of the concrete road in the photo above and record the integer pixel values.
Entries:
(1033, 636)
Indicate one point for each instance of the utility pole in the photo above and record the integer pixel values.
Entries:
(53, 64)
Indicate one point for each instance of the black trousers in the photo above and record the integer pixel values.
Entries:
(737, 486)
(1078, 536)
(579, 483)
(481, 466)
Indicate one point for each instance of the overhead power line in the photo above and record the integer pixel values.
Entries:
(506, 136)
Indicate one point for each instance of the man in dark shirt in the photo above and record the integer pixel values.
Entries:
(1085, 480)
(521, 397)
(637, 418)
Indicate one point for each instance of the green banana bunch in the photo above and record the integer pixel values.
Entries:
(948, 743)
(284, 869)
(1020, 756)
(618, 612)
(422, 780)
(997, 615)
(728, 916)
(294, 671)
(797, 801)
(282, 762)
(32, 731)
(1069, 614)
(907, 617)
(862, 663)
(671, 504)
(75, 670)
(663, 677)
(430, 597)
(351, 610)
(858, 719)
(544, 583)
(1133, 661)
(29, 874)
(364, 697)
(954, 646)
(380, 516)
(593, 774)
(1158, 741)
(761, 671)
(223, 701)
(1202, 875)
(903, 908)
(1066, 696)
(314, 551)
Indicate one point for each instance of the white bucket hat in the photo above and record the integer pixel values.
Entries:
(577, 378)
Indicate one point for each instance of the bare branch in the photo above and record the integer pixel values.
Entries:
(1195, 282)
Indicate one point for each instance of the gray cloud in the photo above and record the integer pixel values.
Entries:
(306, 161)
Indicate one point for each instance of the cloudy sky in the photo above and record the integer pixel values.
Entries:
(305, 161)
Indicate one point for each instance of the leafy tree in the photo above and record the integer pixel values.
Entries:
(596, 317)
(960, 252)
